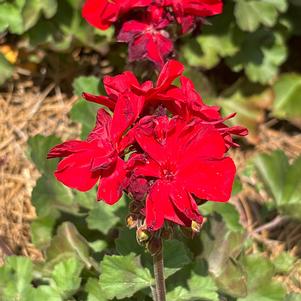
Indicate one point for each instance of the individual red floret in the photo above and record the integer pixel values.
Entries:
(184, 161)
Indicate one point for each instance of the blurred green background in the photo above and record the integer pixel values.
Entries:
(247, 60)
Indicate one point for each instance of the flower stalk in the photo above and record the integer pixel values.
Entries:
(159, 276)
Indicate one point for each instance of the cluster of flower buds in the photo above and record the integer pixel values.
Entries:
(150, 27)
(160, 144)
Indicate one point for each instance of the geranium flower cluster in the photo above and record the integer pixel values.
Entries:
(148, 26)
(159, 143)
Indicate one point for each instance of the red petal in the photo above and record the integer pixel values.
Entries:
(185, 203)
(158, 48)
(75, 171)
(159, 207)
(119, 84)
(130, 29)
(187, 22)
(171, 70)
(102, 100)
(150, 145)
(103, 161)
(102, 130)
(127, 140)
(149, 169)
(153, 50)
(100, 14)
(126, 112)
(111, 183)
(203, 8)
(199, 140)
(138, 48)
(67, 148)
(143, 166)
(209, 179)
(157, 203)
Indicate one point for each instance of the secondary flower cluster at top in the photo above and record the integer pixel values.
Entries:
(149, 26)
(161, 145)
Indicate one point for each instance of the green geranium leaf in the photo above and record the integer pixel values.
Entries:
(85, 112)
(288, 93)
(260, 284)
(123, 276)
(221, 250)
(11, 17)
(102, 217)
(260, 55)
(70, 242)
(246, 99)
(38, 148)
(49, 7)
(86, 199)
(199, 287)
(33, 9)
(66, 276)
(49, 196)
(282, 181)
(227, 211)
(98, 245)
(89, 84)
(176, 256)
(42, 292)
(126, 242)
(250, 14)
(216, 41)
(284, 262)
(237, 186)
(94, 291)
(41, 230)
(15, 276)
(293, 297)
(271, 292)
(6, 69)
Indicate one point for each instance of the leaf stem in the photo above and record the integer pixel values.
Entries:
(159, 276)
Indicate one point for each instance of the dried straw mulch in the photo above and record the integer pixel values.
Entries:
(24, 112)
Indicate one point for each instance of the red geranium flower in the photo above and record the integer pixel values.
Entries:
(185, 101)
(183, 161)
(142, 23)
(96, 159)
(147, 38)
(186, 10)
(103, 13)
(193, 106)
(130, 100)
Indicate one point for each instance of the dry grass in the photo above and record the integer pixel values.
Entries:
(24, 112)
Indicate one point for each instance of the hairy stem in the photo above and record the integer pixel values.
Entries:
(159, 277)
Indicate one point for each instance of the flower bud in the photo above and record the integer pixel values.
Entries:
(142, 235)
(196, 227)
(131, 221)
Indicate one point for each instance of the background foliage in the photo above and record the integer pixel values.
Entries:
(246, 60)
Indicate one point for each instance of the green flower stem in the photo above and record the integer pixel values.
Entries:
(159, 276)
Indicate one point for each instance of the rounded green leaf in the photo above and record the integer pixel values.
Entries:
(123, 276)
